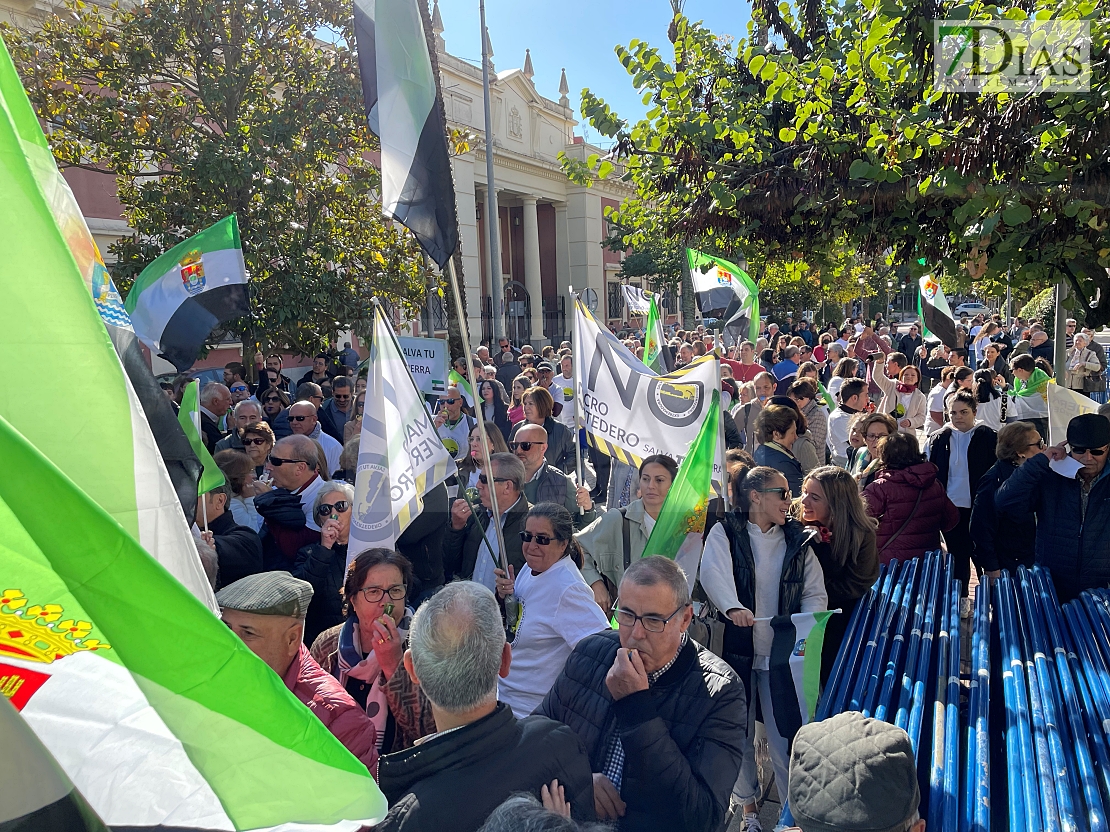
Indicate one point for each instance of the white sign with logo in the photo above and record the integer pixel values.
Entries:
(427, 360)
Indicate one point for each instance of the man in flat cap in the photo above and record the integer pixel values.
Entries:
(267, 612)
(851, 773)
(1073, 513)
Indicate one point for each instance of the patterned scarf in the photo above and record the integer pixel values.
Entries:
(353, 664)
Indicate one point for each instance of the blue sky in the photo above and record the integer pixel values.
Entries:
(579, 35)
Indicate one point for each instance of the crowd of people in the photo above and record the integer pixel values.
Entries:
(848, 447)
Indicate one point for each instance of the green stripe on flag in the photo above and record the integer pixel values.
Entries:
(811, 662)
(188, 416)
(267, 758)
(683, 511)
(456, 380)
(654, 343)
(222, 235)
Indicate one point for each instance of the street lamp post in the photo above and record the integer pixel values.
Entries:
(862, 300)
(889, 308)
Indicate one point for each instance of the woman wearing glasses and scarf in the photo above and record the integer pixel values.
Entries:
(758, 563)
(323, 564)
(559, 607)
(364, 652)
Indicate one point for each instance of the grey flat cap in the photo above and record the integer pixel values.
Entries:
(851, 773)
(267, 593)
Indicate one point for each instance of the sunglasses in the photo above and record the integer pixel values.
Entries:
(326, 508)
(524, 446)
(541, 539)
(278, 461)
(784, 493)
(259, 441)
(450, 401)
(270, 399)
(484, 480)
(298, 418)
(239, 388)
(1092, 451)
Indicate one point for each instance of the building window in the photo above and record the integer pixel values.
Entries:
(616, 301)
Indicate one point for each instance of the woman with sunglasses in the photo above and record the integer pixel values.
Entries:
(274, 401)
(1004, 540)
(759, 563)
(258, 441)
(559, 608)
(323, 564)
(364, 652)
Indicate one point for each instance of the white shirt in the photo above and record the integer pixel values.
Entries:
(839, 421)
(959, 478)
(308, 497)
(333, 448)
(559, 611)
(768, 550)
(456, 438)
(565, 386)
(935, 404)
(990, 414)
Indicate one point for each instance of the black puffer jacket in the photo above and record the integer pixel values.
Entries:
(683, 739)
(325, 569)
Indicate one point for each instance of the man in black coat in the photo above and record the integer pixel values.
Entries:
(481, 753)
(238, 548)
(470, 541)
(663, 720)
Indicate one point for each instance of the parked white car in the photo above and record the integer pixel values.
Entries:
(971, 309)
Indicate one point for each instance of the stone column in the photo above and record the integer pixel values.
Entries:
(532, 267)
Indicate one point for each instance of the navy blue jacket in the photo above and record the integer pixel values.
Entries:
(786, 465)
(1076, 549)
(1002, 540)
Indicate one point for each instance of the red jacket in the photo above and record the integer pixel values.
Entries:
(334, 707)
(891, 498)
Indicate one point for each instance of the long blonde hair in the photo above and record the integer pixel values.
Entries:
(853, 529)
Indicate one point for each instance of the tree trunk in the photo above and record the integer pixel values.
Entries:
(688, 308)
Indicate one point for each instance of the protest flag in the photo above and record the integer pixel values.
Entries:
(405, 113)
(190, 290)
(400, 455)
(936, 317)
(1063, 406)
(795, 668)
(677, 532)
(189, 418)
(105, 446)
(154, 708)
(656, 355)
(726, 291)
(628, 411)
(454, 379)
(636, 299)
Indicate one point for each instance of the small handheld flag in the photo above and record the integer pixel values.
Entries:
(936, 317)
(656, 355)
(189, 417)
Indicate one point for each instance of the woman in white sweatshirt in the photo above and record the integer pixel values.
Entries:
(758, 563)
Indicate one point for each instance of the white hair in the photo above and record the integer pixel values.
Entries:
(457, 638)
(248, 403)
(343, 488)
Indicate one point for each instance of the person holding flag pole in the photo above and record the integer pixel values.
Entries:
(189, 418)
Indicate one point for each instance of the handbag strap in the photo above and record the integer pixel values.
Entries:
(626, 537)
(909, 517)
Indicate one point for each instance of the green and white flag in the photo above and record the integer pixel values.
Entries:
(678, 531)
(189, 417)
(795, 668)
(656, 355)
(726, 291)
(936, 317)
(456, 380)
(158, 713)
(1063, 406)
(190, 290)
(47, 277)
(400, 455)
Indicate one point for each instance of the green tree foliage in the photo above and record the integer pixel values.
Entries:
(821, 132)
(202, 108)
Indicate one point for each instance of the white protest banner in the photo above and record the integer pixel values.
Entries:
(400, 455)
(1063, 406)
(629, 412)
(636, 299)
(427, 360)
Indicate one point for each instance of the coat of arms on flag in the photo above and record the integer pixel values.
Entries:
(929, 287)
(192, 272)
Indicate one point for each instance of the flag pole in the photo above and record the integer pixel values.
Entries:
(577, 417)
(479, 417)
(196, 423)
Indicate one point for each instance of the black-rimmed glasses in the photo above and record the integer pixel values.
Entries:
(784, 493)
(374, 594)
(652, 623)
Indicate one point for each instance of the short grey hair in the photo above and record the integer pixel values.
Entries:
(336, 485)
(523, 813)
(656, 570)
(307, 450)
(212, 391)
(457, 639)
(248, 403)
(508, 466)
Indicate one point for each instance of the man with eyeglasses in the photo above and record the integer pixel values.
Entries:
(471, 550)
(452, 425)
(663, 720)
(544, 483)
(336, 411)
(267, 611)
(320, 371)
(244, 413)
(287, 509)
(1073, 512)
(304, 420)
